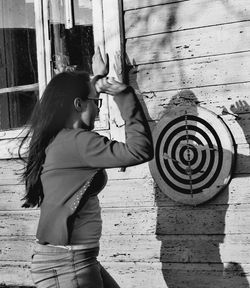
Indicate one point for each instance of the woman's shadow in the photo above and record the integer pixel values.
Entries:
(191, 236)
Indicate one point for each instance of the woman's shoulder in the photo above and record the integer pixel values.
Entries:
(68, 133)
(66, 136)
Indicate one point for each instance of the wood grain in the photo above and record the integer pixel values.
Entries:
(207, 220)
(192, 43)
(135, 4)
(191, 73)
(136, 193)
(184, 15)
(214, 98)
(148, 275)
(148, 248)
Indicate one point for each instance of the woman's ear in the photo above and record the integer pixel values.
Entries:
(79, 104)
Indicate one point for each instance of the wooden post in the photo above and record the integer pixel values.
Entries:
(112, 35)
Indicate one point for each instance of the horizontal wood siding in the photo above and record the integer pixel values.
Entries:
(192, 14)
(198, 49)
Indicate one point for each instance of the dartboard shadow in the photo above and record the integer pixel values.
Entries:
(193, 240)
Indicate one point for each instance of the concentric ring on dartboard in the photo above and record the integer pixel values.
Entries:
(192, 163)
(202, 162)
(198, 153)
(186, 163)
(169, 171)
(182, 174)
(183, 168)
(188, 154)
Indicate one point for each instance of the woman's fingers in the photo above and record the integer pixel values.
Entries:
(109, 85)
(100, 64)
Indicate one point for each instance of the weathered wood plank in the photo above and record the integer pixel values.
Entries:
(176, 249)
(184, 15)
(10, 171)
(212, 97)
(16, 248)
(184, 44)
(146, 248)
(19, 223)
(128, 193)
(148, 275)
(9, 147)
(15, 274)
(243, 158)
(177, 220)
(205, 219)
(235, 193)
(190, 73)
(136, 193)
(117, 193)
(10, 197)
(135, 4)
(180, 275)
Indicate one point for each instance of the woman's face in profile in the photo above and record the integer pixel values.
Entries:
(89, 115)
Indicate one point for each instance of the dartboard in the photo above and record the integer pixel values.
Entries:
(194, 154)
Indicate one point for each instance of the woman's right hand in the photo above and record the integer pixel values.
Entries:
(110, 86)
(100, 64)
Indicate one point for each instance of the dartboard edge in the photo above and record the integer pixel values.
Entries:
(194, 155)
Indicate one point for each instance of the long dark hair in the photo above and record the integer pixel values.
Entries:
(48, 118)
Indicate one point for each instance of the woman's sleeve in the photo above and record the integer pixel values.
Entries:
(99, 152)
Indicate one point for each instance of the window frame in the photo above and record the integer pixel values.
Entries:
(108, 35)
(18, 132)
(99, 40)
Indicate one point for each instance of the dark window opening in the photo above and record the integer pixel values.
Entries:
(18, 62)
(16, 108)
(71, 48)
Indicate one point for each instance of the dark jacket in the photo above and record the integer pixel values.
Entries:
(76, 155)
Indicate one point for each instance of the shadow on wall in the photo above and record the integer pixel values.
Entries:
(191, 236)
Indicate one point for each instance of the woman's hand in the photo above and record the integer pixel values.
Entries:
(110, 86)
(100, 65)
(118, 66)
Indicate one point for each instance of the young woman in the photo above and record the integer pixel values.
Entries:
(65, 172)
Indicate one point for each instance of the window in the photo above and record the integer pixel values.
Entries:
(18, 62)
(71, 34)
(38, 38)
(71, 41)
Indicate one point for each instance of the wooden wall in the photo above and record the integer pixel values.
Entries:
(202, 46)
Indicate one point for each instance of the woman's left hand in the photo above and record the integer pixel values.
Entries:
(110, 86)
(100, 65)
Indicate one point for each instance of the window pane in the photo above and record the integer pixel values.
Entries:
(16, 108)
(18, 61)
(72, 47)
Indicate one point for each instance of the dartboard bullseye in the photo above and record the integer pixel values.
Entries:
(194, 155)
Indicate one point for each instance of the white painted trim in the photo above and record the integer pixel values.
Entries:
(112, 38)
(68, 14)
(99, 40)
(98, 25)
(40, 45)
(13, 133)
(47, 50)
(30, 87)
